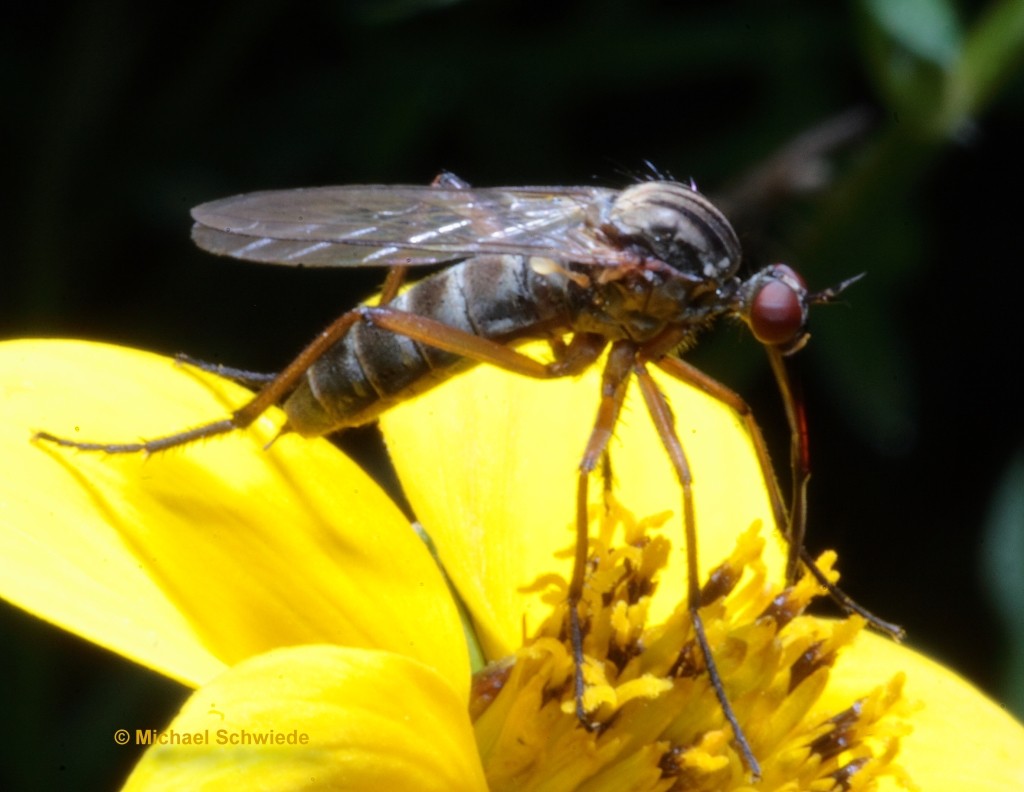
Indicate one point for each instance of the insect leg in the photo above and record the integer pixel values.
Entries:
(392, 283)
(450, 339)
(691, 375)
(270, 395)
(614, 380)
(661, 414)
(847, 603)
(254, 380)
(799, 455)
(274, 386)
(567, 355)
(606, 476)
(450, 181)
(800, 461)
(396, 275)
(684, 372)
(583, 350)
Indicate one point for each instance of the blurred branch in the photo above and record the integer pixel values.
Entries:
(801, 166)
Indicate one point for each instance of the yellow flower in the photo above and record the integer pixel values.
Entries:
(327, 651)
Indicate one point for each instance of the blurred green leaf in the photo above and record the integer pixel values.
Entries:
(1003, 573)
(926, 29)
(912, 45)
(935, 76)
(993, 52)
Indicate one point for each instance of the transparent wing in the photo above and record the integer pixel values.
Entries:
(412, 225)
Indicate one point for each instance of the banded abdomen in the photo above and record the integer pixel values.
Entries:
(497, 297)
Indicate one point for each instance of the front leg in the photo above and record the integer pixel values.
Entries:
(791, 525)
(664, 423)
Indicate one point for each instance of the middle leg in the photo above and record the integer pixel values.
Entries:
(664, 423)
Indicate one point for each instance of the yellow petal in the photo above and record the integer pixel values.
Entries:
(200, 556)
(489, 460)
(961, 740)
(334, 718)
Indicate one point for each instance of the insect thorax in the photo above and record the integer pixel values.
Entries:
(642, 304)
(676, 225)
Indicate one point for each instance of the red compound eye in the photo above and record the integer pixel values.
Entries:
(784, 272)
(776, 313)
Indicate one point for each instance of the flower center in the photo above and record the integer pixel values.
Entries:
(655, 722)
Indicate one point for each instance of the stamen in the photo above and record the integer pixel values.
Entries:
(659, 724)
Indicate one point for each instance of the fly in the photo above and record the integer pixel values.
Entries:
(639, 273)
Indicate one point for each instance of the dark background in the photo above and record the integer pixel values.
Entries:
(120, 116)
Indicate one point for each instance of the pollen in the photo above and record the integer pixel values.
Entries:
(653, 719)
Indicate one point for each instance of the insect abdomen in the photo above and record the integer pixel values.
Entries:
(495, 297)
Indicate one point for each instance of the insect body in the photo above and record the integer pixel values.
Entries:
(638, 272)
(615, 266)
